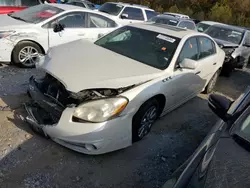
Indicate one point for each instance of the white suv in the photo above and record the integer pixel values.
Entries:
(125, 13)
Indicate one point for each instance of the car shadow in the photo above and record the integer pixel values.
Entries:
(234, 85)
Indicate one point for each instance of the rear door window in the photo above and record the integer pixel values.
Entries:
(150, 14)
(99, 21)
(133, 13)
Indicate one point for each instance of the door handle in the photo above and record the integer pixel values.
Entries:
(214, 63)
(197, 72)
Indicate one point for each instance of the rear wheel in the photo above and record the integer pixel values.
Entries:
(144, 119)
(25, 54)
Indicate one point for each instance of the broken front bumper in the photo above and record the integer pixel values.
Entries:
(52, 120)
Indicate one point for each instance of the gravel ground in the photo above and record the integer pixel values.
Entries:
(30, 161)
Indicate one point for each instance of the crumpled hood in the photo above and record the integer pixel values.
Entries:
(81, 65)
(8, 23)
(226, 43)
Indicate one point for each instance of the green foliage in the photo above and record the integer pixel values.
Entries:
(174, 9)
(221, 12)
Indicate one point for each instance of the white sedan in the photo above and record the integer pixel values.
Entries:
(33, 31)
(101, 103)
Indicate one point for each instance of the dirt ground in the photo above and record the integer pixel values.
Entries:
(30, 161)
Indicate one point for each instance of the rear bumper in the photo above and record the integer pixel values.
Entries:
(89, 138)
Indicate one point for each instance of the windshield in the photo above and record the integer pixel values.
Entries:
(36, 14)
(201, 27)
(152, 48)
(226, 34)
(162, 20)
(111, 8)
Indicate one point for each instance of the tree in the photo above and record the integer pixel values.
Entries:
(221, 12)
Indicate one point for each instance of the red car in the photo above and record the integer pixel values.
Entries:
(9, 6)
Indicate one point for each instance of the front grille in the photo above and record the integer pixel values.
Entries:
(50, 98)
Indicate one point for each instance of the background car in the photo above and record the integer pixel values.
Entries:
(34, 30)
(124, 90)
(176, 15)
(204, 25)
(174, 21)
(222, 159)
(125, 13)
(10, 6)
(235, 41)
(81, 3)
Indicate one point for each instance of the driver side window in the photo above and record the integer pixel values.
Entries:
(189, 50)
(72, 20)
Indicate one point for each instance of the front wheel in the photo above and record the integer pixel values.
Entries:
(144, 119)
(211, 84)
(25, 54)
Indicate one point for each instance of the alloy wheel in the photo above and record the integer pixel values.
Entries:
(147, 121)
(28, 55)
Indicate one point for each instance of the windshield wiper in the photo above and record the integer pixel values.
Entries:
(17, 18)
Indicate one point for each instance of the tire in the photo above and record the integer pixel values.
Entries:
(211, 84)
(227, 71)
(25, 49)
(149, 108)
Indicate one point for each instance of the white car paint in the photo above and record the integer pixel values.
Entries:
(177, 15)
(111, 70)
(118, 18)
(46, 37)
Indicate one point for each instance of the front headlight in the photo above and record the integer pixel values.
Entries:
(4, 34)
(101, 110)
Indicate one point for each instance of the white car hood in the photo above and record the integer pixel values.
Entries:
(6, 22)
(81, 65)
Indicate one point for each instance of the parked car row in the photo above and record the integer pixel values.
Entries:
(110, 74)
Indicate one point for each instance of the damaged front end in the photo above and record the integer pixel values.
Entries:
(50, 98)
(229, 58)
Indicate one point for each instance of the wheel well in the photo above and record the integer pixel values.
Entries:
(43, 51)
(160, 98)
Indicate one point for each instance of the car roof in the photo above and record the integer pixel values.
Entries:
(173, 17)
(211, 22)
(132, 5)
(176, 14)
(240, 29)
(163, 28)
(66, 7)
(84, 1)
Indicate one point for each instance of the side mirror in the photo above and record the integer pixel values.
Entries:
(188, 64)
(58, 27)
(124, 16)
(220, 105)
